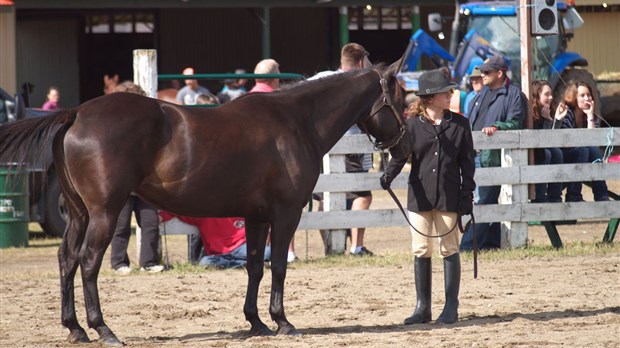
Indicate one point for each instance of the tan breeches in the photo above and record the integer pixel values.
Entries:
(434, 223)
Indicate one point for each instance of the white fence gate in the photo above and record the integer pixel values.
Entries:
(515, 173)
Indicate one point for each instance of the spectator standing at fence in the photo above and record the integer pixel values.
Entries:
(580, 114)
(267, 85)
(475, 80)
(207, 99)
(441, 185)
(147, 219)
(232, 89)
(541, 102)
(354, 56)
(188, 94)
(53, 95)
(499, 106)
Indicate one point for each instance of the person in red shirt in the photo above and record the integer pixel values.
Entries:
(223, 240)
(270, 66)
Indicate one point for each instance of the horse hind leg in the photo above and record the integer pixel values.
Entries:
(256, 237)
(282, 231)
(67, 264)
(98, 236)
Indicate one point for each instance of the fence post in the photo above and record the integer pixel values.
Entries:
(145, 71)
(514, 233)
(145, 76)
(334, 240)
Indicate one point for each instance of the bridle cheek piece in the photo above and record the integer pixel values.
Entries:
(387, 102)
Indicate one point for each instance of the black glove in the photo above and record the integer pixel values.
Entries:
(466, 205)
(386, 181)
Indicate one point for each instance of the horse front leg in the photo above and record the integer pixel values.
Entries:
(67, 264)
(282, 232)
(256, 237)
(99, 235)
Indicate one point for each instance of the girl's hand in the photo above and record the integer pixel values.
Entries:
(589, 110)
(561, 111)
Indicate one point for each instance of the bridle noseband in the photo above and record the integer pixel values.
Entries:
(387, 102)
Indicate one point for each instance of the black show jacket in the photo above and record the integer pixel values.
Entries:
(442, 163)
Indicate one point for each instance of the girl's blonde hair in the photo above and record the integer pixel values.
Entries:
(419, 106)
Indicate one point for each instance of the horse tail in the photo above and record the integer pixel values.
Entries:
(78, 215)
(27, 140)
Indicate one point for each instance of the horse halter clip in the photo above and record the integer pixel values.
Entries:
(386, 102)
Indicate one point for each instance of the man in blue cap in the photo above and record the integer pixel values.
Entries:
(499, 106)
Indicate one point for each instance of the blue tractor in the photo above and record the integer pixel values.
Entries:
(481, 29)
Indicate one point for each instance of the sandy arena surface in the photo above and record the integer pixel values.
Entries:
(554, 300)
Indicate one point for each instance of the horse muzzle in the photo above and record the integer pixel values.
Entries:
(403, 148)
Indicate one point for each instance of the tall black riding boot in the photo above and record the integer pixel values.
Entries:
(452, 281)
(422, 275)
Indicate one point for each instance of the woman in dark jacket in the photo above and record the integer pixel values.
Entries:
(541, 102)
(441, 186)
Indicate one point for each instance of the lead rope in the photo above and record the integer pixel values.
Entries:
(458, 222)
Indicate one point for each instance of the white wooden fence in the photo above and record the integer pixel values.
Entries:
(515, 173)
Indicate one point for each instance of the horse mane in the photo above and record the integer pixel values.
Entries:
(307, 86)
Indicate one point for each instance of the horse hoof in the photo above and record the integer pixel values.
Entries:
(78, 336)
(261, 330)
(111, 341)
(288, 330)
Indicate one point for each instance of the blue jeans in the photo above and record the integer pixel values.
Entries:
(584, 155)
(548, 192)
(488, 235)
(234, 259)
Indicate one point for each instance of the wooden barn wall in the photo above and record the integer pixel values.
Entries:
(7, 49)
(47, 54)
(305, 40)
(221, 40)
(598, 41)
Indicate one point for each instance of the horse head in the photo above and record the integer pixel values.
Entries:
(385, 122)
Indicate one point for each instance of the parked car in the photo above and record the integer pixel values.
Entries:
(47, 204)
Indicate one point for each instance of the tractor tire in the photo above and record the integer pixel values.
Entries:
(572, 75)
(55, 209)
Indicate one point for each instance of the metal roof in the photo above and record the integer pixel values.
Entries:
(106, 4)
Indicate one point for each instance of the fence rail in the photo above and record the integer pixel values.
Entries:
(515, 173)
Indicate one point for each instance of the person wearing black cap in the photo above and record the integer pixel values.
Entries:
(499, 106)
(232, 89)
(441, 185)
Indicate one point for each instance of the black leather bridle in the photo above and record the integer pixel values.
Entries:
(386, 102)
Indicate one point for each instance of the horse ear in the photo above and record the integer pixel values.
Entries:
(366, 64)
(396, 67)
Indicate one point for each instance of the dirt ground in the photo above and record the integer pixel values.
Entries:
(552, 300)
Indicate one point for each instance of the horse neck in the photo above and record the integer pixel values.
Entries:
(341, 105)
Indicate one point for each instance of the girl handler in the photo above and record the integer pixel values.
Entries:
(441, 186)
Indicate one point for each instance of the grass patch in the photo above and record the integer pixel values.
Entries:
(48, 246)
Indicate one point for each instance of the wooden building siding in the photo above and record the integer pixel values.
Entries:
(598, 41)
(47, 54)
(7, 49)
(222, 39)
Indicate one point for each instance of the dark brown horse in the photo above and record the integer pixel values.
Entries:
(258, 157)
